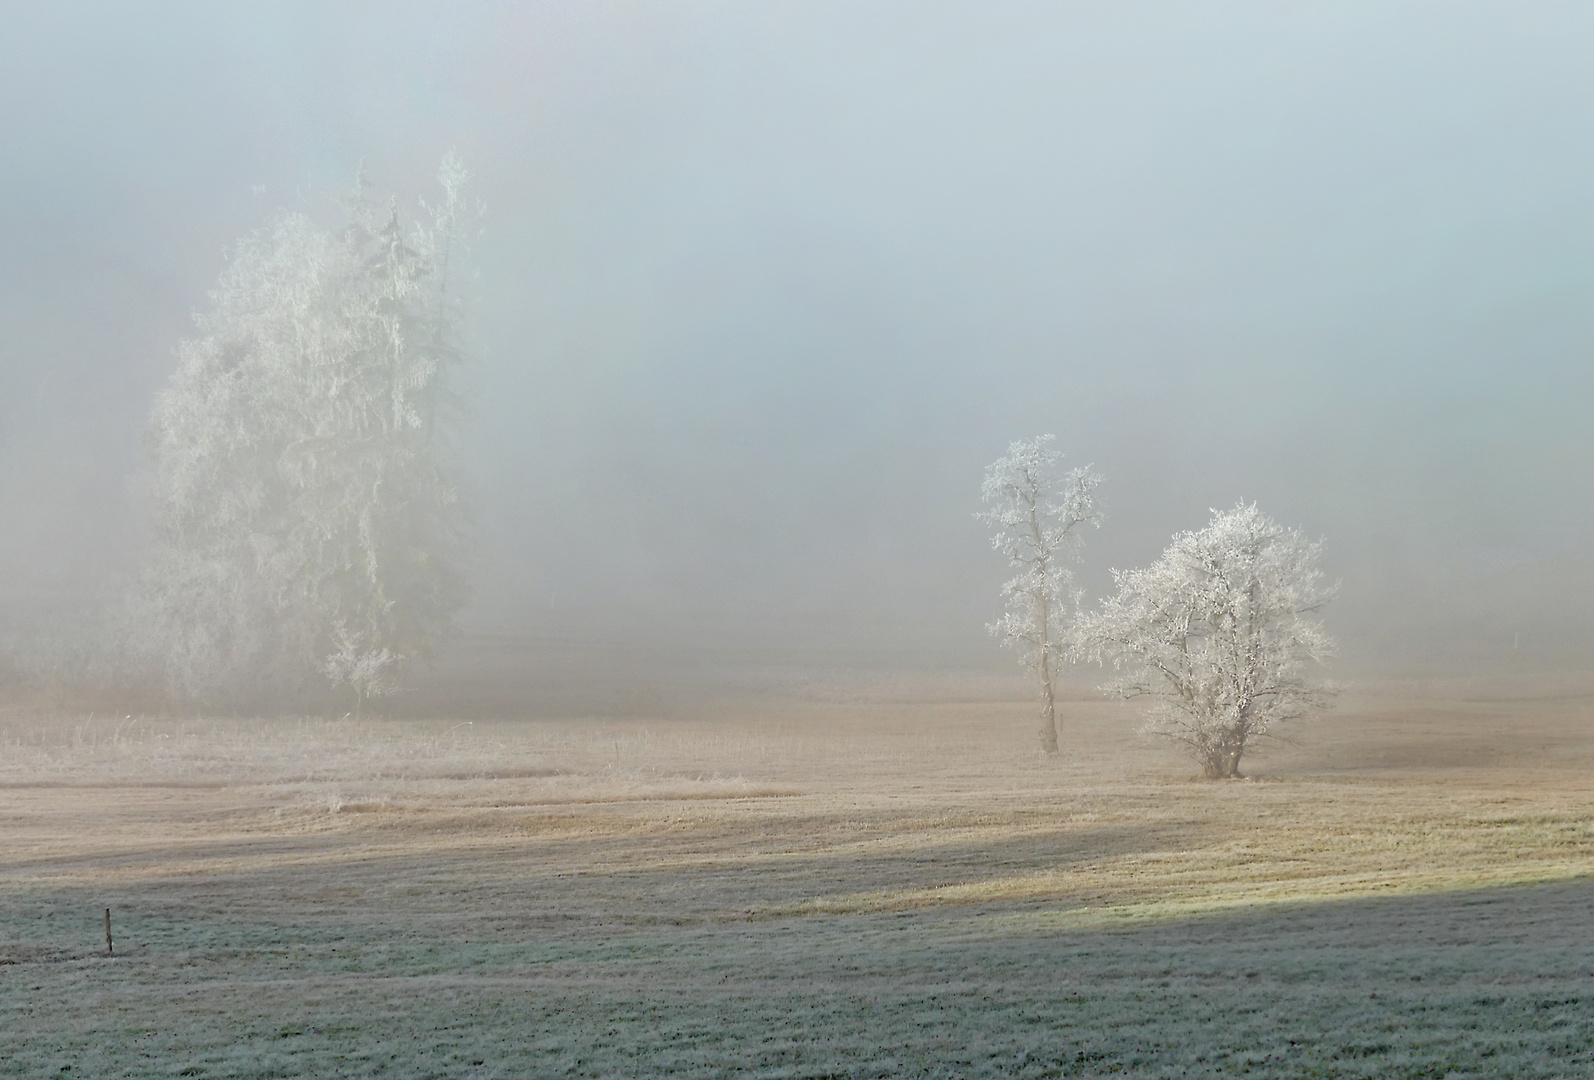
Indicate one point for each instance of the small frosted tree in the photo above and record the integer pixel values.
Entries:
(368, 671)
(1038, 511)
(1220, 634)
(305, 521)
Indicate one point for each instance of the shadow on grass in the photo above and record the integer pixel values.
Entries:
(1476, 982)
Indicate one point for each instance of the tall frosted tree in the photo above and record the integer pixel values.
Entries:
(305, 518)
(1220, 636)
(1038, 511)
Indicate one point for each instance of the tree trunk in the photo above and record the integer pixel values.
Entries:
(1222, 762)
(1048, 732)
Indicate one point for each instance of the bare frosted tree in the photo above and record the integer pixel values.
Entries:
(305, 518)
(1220, 634)
(1038, 511)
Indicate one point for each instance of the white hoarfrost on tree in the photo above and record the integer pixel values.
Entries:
(1038, 511)
(305, 519)
(1220, 634)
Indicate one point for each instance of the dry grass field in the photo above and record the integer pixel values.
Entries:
(797, 884)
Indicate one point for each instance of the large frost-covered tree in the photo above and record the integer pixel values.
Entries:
(1038, 511)
(305, 520)
(1220, 634)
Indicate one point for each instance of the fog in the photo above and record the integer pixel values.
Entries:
(763, 288)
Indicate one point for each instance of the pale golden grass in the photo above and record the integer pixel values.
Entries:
(799, 807)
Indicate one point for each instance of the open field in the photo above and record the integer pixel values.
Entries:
(791, 884)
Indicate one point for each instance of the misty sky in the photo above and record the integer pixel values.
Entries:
(765, 286)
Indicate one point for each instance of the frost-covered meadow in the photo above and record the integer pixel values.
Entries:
(803, 883)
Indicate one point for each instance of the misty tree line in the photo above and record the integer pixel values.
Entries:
(304, 513)
(1219, 635)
